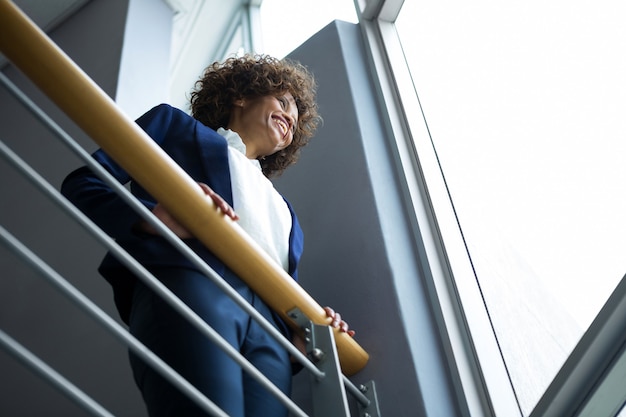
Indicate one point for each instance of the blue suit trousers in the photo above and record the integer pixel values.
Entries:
(199, 360)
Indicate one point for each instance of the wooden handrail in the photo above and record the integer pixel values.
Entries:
(47, 66)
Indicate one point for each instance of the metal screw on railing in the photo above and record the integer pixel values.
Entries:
(317, 354)
(369, 402)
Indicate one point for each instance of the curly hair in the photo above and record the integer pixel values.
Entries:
(254, 76)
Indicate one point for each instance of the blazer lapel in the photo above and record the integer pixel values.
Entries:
(213, 152)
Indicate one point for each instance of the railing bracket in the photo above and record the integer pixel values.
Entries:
(329, 391)
(371, 410)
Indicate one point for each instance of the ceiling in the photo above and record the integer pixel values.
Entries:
(190, 32)
(48, 13)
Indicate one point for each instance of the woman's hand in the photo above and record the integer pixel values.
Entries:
(162, 214)
(337, 322)
(219, 202)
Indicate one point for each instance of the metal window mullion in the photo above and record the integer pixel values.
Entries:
(230, 33)
(464, 326)
(591, 381)
(251, 27)
(53, 377)
(482, 371)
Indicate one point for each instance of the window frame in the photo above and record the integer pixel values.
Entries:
(482, 378)
(585, 385)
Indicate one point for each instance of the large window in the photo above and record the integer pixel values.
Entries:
(525, 104)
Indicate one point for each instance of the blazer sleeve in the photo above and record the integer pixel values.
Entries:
(296, 243)
(96, 199)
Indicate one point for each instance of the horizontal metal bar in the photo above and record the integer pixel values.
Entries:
(145, 276)
(57, 76)
(53, 377)
(147, 215)
(356, 392)
(100, 316)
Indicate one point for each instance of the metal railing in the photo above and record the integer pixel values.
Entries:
(333, 352)
(30, 50)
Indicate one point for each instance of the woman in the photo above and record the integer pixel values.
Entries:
(251, 116)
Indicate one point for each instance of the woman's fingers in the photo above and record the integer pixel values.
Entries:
(219, 201)
(337, 322)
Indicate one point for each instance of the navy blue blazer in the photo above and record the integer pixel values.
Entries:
(203, 154)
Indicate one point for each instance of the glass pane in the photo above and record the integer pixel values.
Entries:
(286, 24)
(235, 46)
(526, 107)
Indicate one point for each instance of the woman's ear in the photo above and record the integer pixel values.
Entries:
(239, 102)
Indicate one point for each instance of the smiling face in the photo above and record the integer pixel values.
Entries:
(266, 124)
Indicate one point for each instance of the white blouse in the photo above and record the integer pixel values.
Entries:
(263, 213)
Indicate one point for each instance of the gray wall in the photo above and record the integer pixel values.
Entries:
(361, 249)
(360, 252)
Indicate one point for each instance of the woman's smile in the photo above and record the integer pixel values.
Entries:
(282, 125)
(266, 124)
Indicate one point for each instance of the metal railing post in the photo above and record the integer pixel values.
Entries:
(369, 408)
(328, 392)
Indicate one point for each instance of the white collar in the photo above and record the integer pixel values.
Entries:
(235, 142)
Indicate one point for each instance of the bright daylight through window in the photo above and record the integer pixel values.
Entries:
(286, 24)
(525, 104)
